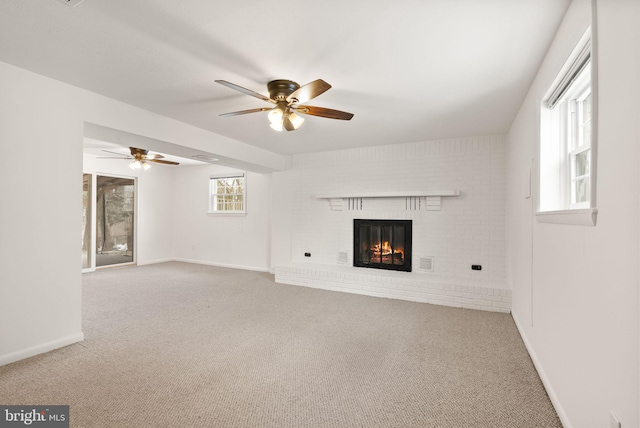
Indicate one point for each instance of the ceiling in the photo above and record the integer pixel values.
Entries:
(409, 70)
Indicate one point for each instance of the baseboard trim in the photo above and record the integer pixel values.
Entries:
(224, 265)
(155, 262)
(40, 349)
(543, 376)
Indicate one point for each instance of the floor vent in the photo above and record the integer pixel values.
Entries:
(72, 3)
(426, 264)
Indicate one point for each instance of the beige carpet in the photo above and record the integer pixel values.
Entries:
(180, 345)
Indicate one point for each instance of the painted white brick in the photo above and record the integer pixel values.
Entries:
(468, 229)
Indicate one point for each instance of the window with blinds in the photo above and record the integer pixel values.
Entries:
(566, 138)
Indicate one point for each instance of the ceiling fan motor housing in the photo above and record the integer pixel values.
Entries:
(138, 152)
(279, 90)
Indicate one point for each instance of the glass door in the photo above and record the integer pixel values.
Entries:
(114, 205)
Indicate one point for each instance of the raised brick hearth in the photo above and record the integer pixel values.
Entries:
(471, 294)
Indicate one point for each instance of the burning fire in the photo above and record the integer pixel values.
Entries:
(386, 250)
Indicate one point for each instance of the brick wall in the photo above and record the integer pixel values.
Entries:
(468, 229)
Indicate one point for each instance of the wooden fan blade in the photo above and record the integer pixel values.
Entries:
(154, 156)
(324, 112)
(114, 153)
(309, 91)
(253, 110)
(163, 161)
(114, 157)
(244, 90)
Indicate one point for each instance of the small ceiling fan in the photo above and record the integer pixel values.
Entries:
(140, 157)
(288, 98)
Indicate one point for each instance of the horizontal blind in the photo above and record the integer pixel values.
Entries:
(580, 63)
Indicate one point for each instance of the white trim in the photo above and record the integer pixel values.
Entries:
(227, 213)
(578, 217)
(153, 262)
(593, 169)
(235, 175)
(391, 194)
(197, 262)
(555, 401)
(40, 349)
(224, 265)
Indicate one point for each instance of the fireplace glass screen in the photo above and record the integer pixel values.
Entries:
(382, 244)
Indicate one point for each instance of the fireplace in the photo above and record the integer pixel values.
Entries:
(382, 244)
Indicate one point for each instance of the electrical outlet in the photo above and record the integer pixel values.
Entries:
(307, 254)
(476, 267)
(613, 421)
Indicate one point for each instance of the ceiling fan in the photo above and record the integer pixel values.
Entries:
(141, 158)
(288, 98)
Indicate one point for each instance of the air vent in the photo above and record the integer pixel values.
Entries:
(426, 264)
(71, 3)
(343, 257)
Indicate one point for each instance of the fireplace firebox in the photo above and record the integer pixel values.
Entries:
(382, 244)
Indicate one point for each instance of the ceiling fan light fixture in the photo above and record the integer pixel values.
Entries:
(276, 126)
(275, 115)
(145, 165)
(136, 164)
(296, 120)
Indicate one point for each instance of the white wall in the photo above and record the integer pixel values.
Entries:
(41, 133)
(469, 229)
(280, 227)
(40, 214)
(239, 241)
(172, 220)
(575, 288)
(154, 210)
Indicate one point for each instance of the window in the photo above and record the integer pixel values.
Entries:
(566, 138)
(227, 194)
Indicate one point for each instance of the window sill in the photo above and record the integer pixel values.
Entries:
(581, 217)
(227, 214)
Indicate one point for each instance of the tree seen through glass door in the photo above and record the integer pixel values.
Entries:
(114, 220)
